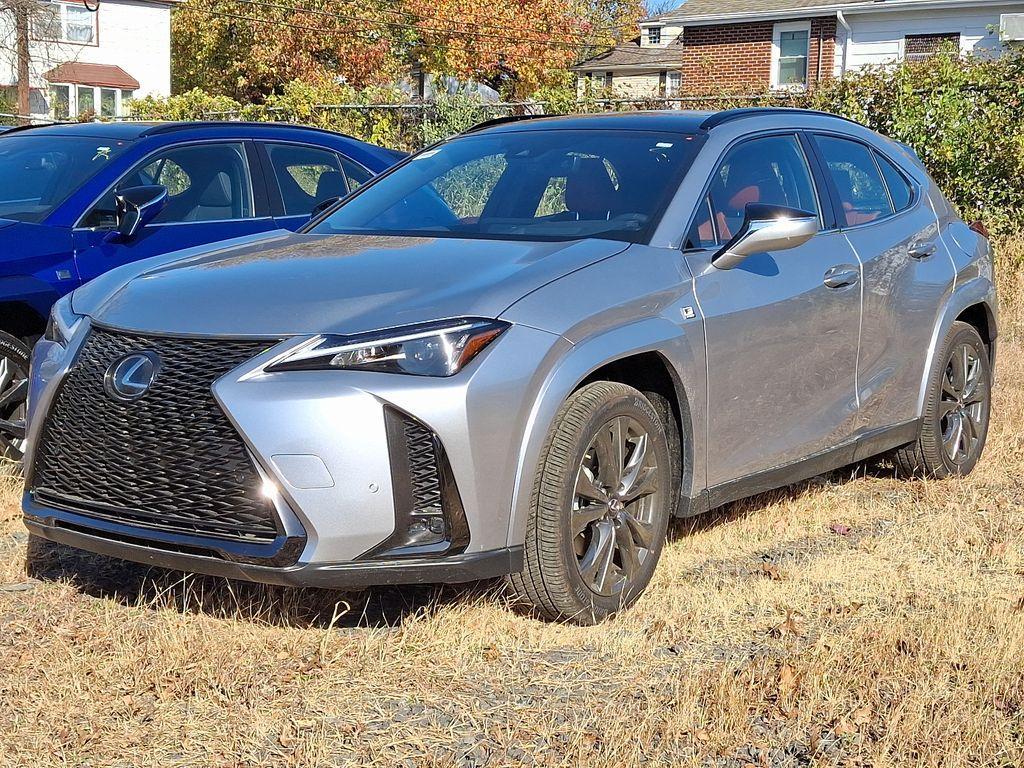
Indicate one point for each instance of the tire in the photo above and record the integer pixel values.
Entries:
(14, 367)
(952, 400)
(587, 573)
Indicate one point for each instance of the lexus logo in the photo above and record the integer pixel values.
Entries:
(130, 377)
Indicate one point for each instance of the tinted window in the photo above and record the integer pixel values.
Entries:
(861, 191)
(357, 175)
(306, 176)
(39, 172)
(772, 170)
(899, 189)
(526, 185)
(205, 182)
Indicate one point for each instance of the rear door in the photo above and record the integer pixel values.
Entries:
(907, 272)
(781, 331)
(302, 176)
(213, 195)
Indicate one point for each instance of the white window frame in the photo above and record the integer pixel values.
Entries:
(777, 30)
(654, 28)
(672, 90)
(62, 24)
(73, 108)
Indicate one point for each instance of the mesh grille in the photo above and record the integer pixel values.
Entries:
(423, 476)
(169, 460)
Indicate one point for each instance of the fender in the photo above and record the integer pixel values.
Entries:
(29, 290)
(977, 290)
(684, 355)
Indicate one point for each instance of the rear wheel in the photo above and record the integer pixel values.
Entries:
(600, 507)
(14, 365)
(956, 413)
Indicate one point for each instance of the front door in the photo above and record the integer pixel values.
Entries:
(782, 328)
(210, 198)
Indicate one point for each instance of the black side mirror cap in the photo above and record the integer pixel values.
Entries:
(135, 207)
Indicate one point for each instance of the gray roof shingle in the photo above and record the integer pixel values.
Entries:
(632, 55)
(701, 8)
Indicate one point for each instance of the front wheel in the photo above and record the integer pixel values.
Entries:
(600, 506)
(14, 364)
(956, 414)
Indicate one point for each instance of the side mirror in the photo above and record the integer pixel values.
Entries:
(323, 205)
(135, 207)
(767, 228)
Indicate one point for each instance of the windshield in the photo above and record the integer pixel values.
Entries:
(40, 172)
(528, 185)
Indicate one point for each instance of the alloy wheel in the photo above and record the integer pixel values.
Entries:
(13, 406)
(963, 406)
(613, 506)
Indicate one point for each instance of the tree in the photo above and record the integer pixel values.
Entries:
(15, 18)
(248, 49)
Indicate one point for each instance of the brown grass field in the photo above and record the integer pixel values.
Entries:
(850, 620)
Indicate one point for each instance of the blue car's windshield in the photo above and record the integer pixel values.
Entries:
(39, 172)
(525, 185)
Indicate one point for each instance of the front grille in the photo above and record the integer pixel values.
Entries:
(423, 474)
(170, 460)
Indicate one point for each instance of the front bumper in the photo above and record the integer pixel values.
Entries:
(63, 528)
(321, 439)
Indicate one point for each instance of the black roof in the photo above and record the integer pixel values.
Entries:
(677, 121)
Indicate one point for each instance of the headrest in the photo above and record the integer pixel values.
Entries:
(218, 192)
(589, 189)
(330, 184)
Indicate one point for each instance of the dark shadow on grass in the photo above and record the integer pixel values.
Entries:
(736, 510)
(147, 587)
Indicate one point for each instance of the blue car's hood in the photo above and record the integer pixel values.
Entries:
(283, 283)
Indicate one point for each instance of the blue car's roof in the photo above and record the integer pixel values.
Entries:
(128, 130)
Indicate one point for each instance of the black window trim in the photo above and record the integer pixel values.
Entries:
(916, 196)
(747, 137)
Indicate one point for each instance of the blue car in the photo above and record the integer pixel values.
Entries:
(78, 200)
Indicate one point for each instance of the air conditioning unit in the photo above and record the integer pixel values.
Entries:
(1011, 27)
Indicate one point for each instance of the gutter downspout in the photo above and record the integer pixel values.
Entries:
(846, 43)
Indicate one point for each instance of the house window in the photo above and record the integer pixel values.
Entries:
(608, 80)
(60, 101)
(923, 47)
(674, 83)
(654, 35)
(66, 23)
(74, 101)
(86, 100)
(790, 52)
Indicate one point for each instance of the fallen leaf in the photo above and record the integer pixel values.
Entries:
(789, 679)
(771, 572)
(997, 549)
(861, 716)
(789, 626)
(839, 528)
(814, 740)
(845, 728)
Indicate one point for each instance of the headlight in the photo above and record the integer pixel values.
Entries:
(62, 322)
(432, 349)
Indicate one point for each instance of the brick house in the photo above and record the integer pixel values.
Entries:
(707, 47)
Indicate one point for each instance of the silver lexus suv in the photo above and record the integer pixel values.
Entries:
(519, 354)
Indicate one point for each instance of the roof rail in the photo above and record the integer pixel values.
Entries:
(728, 115)
(502, 121)
(173, 126)
(19, 128)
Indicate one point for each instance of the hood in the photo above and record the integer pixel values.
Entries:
(298, 284)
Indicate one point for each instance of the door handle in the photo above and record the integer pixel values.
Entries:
(922, 250)
(841, 277)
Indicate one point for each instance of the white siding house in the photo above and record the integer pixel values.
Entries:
(84, 62)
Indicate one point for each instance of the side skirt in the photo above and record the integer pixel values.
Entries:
(858, 449)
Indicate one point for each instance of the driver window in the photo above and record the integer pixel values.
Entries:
(770, 170)
(205, 182)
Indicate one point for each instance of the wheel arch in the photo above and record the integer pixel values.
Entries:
(653, 355)
(973, 302)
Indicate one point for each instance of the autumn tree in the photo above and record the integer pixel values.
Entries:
(248, 49)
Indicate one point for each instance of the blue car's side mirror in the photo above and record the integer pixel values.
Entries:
(135, 207)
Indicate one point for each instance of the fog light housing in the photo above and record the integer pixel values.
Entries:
(430, 520)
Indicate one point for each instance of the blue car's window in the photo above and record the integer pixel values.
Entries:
(526, 185)
(40, 172)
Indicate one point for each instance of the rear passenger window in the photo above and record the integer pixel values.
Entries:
(899, 189)
(306, 176)
(862, 192)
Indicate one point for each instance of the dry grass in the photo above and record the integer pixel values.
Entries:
(852, 620)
